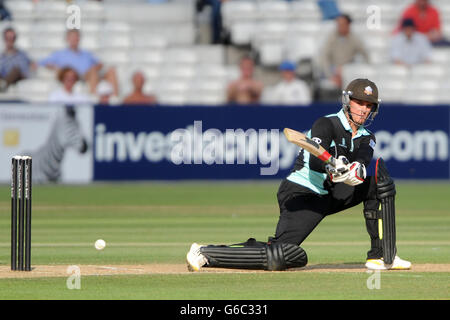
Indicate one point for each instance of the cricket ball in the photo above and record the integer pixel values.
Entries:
(100, 244)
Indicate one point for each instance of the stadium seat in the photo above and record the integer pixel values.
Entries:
(147, 56)
(168, 84)
(269, 41)
(273, 28)
(39, 53)
(91, 26)
(274, 10)
(271, 53)
(357, 70)
(49, 27)
(209, 85)
(211, 71)
(21, 9)
(352, 8)
(428, 71)
(178, 72)
(114, 57)
(113, 12)
(166, 13)
(374, 40)
(233, 11)
(112, 26)
(23, 42)
(379, 56)
(45, 73)
(144, 40)
(91, 10)
(35, 89)
(52, 41)
(305, 10)
(22, 27)
(391, 95)
(441, 56)
(169, 98)
(443, 94)
(421, 91)
(446, 30)
(151, 72)
(184, 55)
(242, 32)
(210, 54)
(423, 85)
(90, 41)
(424, 98)
(50, 9)
(233, 72)
(305, 27)
(113, 41)
(194, 97)
(393, 71)
(300, 47)
(178, 34)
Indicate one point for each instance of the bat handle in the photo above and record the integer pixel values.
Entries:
(328, 158)
(332, 161)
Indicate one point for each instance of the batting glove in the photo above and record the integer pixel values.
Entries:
(356, 174)
(339, 172)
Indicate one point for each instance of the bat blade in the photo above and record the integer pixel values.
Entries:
(309, 145)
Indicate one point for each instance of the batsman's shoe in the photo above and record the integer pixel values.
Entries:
(378, 264)
(195, 259)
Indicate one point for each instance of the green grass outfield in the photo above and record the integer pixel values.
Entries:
(155, 223)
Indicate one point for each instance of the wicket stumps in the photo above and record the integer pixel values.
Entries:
(21, 213)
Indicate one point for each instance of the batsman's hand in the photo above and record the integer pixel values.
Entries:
(338, 173)
(356, 174)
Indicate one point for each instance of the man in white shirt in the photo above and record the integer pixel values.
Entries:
(410, 47)
(291, 90)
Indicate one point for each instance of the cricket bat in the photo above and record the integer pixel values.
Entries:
(309, 145)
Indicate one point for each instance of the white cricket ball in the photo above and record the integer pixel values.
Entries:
(100, 244)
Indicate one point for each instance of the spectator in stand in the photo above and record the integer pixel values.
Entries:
(14, 63)
(138, 96)
(426, 19)
(341, 47)
(67, 93)
(245, 90)
(410, 47)
(291, 90)
(4, 12)
(216, 18)
(85, 63)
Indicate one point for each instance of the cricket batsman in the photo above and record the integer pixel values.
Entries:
(315, 189)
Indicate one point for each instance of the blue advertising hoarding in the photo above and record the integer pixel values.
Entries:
(170, 143)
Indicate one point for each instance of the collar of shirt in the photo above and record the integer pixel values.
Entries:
(361, 130)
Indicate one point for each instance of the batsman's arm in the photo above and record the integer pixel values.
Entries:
(366, 150)
(322, 132)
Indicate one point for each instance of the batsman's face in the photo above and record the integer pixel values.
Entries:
(360, 110)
